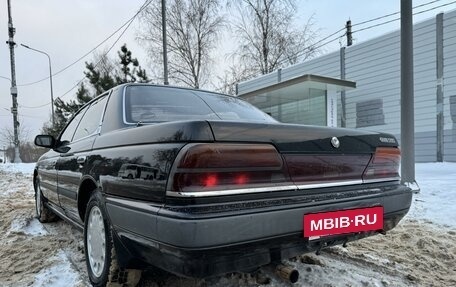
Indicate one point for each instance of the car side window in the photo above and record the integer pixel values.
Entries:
(91, 119)
(68, 133)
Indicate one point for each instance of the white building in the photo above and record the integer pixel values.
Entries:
(375, 103)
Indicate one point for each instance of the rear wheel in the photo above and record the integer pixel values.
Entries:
(100, 254)
(43, 213)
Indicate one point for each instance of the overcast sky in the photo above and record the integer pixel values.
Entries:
(66, 30)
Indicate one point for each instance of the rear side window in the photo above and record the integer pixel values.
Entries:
(148, 104)
(91, 120)
(68, 133)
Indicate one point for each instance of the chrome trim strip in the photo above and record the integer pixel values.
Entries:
(382, 179)
(229, 192)
(124, 114)
(275, 188)
(329, 184)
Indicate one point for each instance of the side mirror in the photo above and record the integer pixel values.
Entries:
(45, 141)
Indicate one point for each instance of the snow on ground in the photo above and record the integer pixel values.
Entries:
(59, 274)
(421, 251)
(436, 202)
(27, 226)
(24, 168)
(29, 253)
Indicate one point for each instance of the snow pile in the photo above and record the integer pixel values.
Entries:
(31, 255)
(28, 226)
(436, 202)
(59, 274)
(24, 168)
(421, 251)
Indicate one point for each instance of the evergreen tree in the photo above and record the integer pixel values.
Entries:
(64, 111)
(130, 70)
(101, 78)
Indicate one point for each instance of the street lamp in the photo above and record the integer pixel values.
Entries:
(50, 78)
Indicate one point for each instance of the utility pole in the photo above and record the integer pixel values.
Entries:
(348, 26)
(407, 97)
(10, 42)
(165, 44)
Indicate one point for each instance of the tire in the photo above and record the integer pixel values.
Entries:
(43, 213)
(100, 255)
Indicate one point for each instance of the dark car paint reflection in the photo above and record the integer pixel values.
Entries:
(139, 177)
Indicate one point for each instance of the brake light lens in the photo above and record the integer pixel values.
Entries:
(384, 164)
(230, 156)
(214, 167)
(315, 169)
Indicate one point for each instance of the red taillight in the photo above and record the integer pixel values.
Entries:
(230, 156)
(384, 164)
(210, 180)
(316, 169)
(214, 167)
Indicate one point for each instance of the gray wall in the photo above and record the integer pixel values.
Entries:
(449, 85)
(375, 67)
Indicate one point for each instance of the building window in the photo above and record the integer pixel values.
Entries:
(309, 108)
(369, 113)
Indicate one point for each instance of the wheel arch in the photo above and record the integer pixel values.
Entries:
(86, 188)
(35, 175)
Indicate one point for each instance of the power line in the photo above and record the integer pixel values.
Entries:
(26, 116)
(396, 19)
(327, 37)
(81, 80)
(430, 9)
(392, 14)
(101, 58)
(314, 45)
(99, 61)
(376, 25)
(330, 41)
(128, 22)
(375, 19)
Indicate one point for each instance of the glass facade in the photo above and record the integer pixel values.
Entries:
(294, 105)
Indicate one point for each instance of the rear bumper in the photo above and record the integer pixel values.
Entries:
(208, 239)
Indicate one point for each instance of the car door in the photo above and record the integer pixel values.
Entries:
(48, 166)
(72, 164)
(48, 176)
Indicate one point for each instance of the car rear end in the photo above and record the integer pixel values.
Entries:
(260, 193)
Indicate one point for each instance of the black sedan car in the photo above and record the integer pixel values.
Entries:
(199, 184)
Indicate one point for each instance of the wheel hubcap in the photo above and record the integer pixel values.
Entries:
(96, 241)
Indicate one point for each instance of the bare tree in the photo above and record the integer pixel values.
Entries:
(7, 135)
(267, 34)
(27, 151)
(232, 76)
(192, 32)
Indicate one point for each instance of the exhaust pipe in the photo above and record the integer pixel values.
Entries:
(287, 273)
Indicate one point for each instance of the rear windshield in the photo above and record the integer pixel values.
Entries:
(149, 104)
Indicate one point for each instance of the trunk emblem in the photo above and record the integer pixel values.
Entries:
(335, 142)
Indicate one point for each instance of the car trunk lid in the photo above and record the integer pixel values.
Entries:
(313, 156)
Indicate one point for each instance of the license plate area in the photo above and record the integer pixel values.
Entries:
(316, 225)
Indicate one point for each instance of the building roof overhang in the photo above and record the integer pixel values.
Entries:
(294, 89)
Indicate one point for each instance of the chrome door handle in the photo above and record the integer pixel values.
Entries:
(81, 159)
